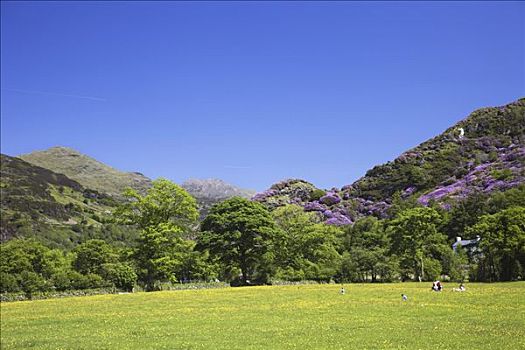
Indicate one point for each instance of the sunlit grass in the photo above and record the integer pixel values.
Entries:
(486, 316)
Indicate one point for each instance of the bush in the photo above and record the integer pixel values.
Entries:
(8, 283)
(61, 281)
(77, 280)
(316, 194)
(31, 282)
(89, 281)
(121, 275)
(94, 281)
(504, 174)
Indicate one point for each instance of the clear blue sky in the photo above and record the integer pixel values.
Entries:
(251, 92)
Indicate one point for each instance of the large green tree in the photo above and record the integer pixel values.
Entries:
(165, 215)
(163, 255)
(305, 248)
(502, 244)
(417, 242)
(165, 202)
(368, 245)
(240, 234)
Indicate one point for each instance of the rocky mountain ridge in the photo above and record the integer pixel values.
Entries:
(214, 188)
(207, 192)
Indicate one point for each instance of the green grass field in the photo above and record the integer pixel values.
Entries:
(486, 316)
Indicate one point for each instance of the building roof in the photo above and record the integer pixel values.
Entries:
(467, 243)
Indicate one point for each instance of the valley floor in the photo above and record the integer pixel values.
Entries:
(368, 316)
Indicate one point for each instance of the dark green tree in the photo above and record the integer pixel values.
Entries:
(417, 243)
(368, 247)
(121, 275)
(91, 255)
(240, 234)
(514, 197)
(31, 282)
(305, 248)
(502, 244)
(8, 283)
(464, 214)
(161, 255)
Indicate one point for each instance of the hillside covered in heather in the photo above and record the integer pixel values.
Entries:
(481, 154)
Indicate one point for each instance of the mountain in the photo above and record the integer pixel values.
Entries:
(62, 195)
(87, 171)
(93, 174)
(39, 202)
(483, 153)
(210, 191)
(61, 212)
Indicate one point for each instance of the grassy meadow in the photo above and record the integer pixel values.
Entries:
(368, 316)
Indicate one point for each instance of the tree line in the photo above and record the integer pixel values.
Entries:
(243, 243)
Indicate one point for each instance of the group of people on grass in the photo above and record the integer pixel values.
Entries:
(436, 287)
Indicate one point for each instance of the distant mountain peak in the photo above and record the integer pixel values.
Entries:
(214, 188)
(210, 191)
(205, 181)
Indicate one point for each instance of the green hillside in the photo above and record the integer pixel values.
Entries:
(87, 171)
(57, 210)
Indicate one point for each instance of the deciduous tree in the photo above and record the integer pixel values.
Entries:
(502, 244)
(305, 248)
(165, 216)
(418, 243)
(240, 234)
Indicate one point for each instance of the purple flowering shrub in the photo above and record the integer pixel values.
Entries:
(408, 191)
(261, 196)
(330, 198)
(314, 206)
(504, 173)
(339, 219)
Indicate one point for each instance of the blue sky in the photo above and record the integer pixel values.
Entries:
(251, 92)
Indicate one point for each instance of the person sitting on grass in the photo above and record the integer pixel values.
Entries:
(436, 286)
(460, 289)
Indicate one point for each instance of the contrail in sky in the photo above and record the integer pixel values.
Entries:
(92, 98)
